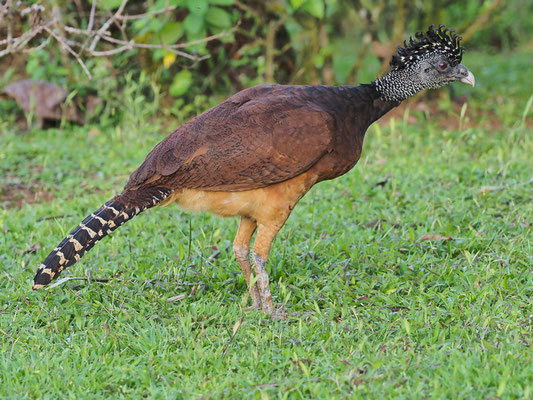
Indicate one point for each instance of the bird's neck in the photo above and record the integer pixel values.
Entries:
(377, 105)
(397, 85)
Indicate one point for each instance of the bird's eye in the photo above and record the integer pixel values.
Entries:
(443, 65)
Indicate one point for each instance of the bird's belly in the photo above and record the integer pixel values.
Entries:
(259, 204)
(225, 204)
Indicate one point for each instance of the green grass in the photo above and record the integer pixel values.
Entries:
(374, 311)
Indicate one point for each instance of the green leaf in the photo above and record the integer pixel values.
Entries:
(297, 3)
(218, 17)
(224, 39)
(198, 7)
(407, 326)
(222, 2)
(181, 83)
(342, 64)
(371, 64)
(108, 4)
(161, 4)
(171, 32)
(194, 25)
(526, 109)
(315, 8)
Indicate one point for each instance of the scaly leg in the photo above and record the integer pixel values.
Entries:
(263, 241)
(241, 247)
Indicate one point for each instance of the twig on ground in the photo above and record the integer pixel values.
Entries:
(178, 297)
(216, 254)
(53, 217)
(235, 330)
(79, 278)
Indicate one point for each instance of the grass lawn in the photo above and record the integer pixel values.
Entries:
(375, 311)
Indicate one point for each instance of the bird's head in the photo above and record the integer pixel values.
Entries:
(431, 60)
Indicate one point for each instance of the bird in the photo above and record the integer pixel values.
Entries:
(255, 155)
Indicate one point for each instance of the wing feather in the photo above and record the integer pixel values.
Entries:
(258, 137)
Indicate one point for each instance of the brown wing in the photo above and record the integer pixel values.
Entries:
(260, 136)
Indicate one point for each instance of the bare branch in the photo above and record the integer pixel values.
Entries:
(91, 16)
(89, 26)
(15, 44)
(206, 39)
(98, 32)
(106, 25)
(9, 27)
(76, 31)
(147, 14)
(42, 45)
(132, 44)
(111, 52)
(69, 49)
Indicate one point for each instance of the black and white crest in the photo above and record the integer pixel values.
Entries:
(435, 40)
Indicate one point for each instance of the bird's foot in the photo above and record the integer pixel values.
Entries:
(256, 301)
(279, 313)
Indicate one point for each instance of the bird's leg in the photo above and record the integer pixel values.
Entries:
(241, 247)
(263, 241)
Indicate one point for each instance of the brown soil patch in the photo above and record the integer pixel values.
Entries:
(17, 195)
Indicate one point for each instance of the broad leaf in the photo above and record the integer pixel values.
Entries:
(218, 17)
(181, 83)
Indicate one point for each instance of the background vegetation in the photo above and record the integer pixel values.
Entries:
(409, 277)
(281, 41)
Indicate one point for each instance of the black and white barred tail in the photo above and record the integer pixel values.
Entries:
(92, 229)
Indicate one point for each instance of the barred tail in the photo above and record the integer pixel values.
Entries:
(92, 229)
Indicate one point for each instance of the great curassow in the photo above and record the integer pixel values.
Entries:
(257, 153)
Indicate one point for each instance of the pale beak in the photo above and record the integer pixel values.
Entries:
(465, 76)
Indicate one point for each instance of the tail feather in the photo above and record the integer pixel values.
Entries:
(93, 228)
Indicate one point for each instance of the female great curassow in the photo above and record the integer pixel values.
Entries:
(256, 154)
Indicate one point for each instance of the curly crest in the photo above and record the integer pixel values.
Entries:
(441, 40)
